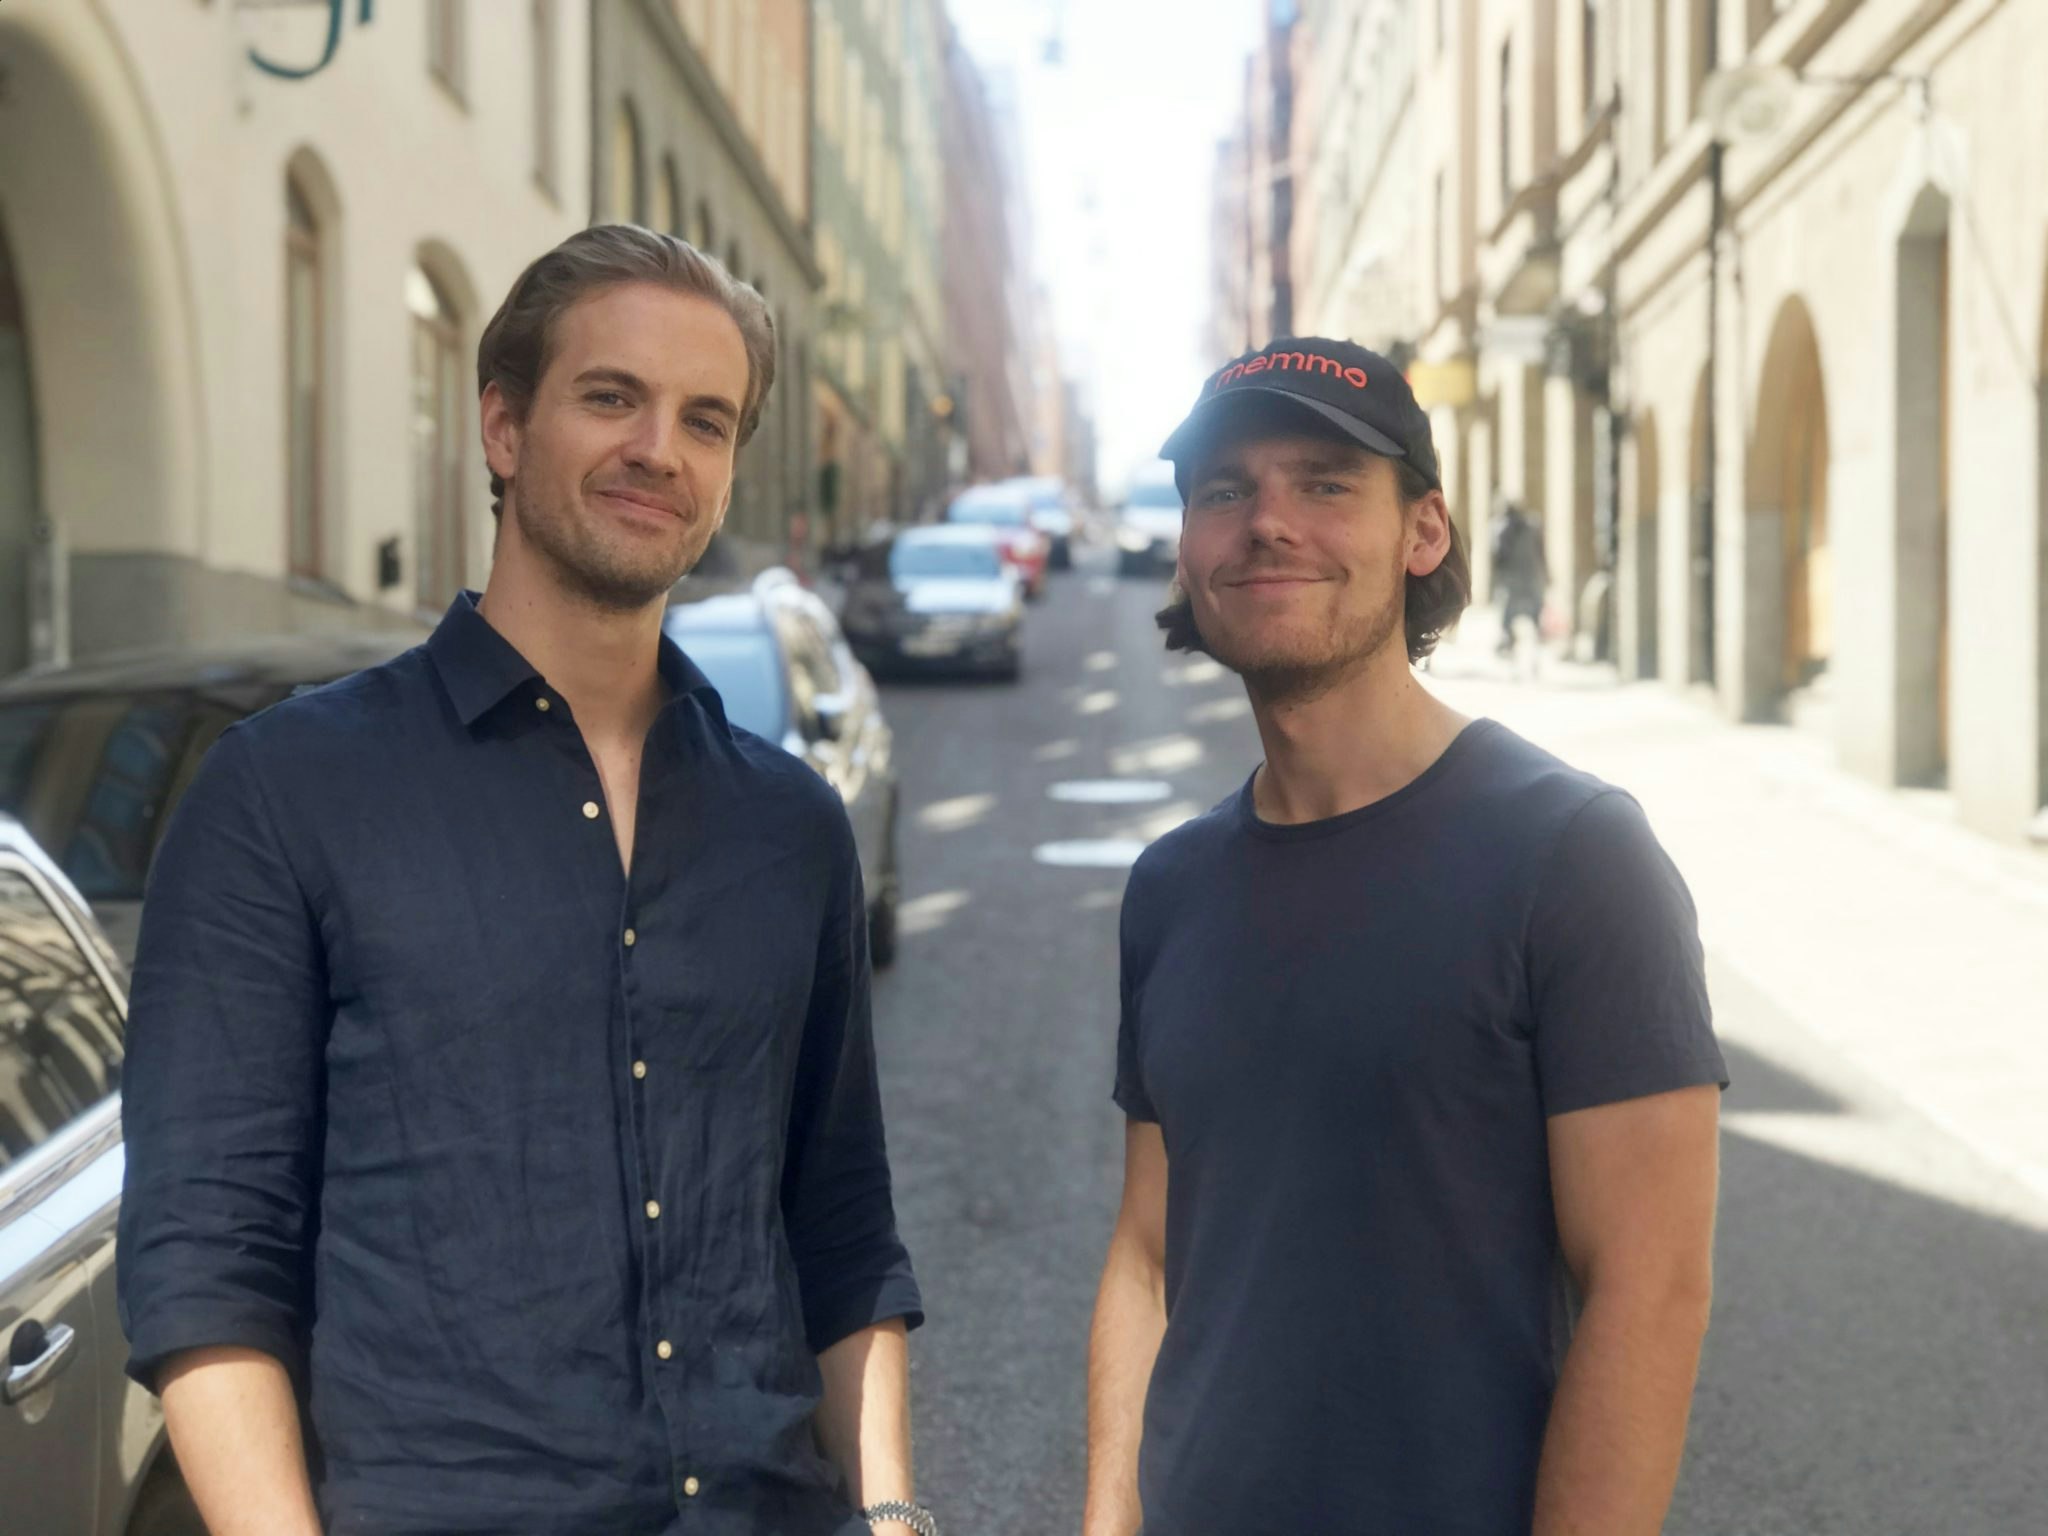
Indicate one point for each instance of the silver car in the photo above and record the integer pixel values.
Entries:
(82, 1448)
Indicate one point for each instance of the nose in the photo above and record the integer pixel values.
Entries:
(655, 446)
(1266, 519)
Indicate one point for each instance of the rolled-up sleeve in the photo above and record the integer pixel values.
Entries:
(852, 1268)
(227, 1027)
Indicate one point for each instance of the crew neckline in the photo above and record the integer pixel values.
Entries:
(1300, 831)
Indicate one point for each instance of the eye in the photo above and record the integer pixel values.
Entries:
(710, 426)
(1217, 494)
(605, 397)
(1331, 488)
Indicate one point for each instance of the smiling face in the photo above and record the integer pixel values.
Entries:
(1295, 554)
(622, 469)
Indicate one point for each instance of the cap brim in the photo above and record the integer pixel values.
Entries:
(1205, 418)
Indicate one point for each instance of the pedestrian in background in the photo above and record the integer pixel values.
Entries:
(1421, 1084)
(1522, 573)
(504, 1146)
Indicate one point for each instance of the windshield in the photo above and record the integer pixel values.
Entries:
(747, 672)
(931, 559)
(1002, 509)
(1162, 493)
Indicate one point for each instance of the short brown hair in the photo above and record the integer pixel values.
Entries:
(516, 346)
(1431, 604)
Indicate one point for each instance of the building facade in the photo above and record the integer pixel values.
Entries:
(237, 354)
(982, 246)
(701, 127)
(1748, 303)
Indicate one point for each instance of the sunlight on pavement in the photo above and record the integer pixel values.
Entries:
(1100, 702)
(1100, 901)
(1101, 661)
(1216, 711)
(1090, 853)
(1196, 674)
(1057, 751)
(957, 814)
(1158, 754)
(1167, 817)
(1110, 791)
(928, 914)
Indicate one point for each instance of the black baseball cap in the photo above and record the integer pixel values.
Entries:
(1358, 392)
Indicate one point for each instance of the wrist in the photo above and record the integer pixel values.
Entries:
(900, 1517)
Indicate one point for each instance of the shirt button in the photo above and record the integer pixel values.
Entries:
(639, 1069)
(543, 705)
(654, 1210)
(664, 1349)
(590, 809)
(691, 1487)
(632, 938)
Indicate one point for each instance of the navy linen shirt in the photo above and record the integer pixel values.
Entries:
(546, 1181)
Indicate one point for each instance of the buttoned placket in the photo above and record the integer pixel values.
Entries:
(657, 1322)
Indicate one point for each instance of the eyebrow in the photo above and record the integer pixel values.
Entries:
(717, 404)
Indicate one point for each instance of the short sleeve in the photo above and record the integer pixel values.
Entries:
(1130, 1094)
(1617, 976)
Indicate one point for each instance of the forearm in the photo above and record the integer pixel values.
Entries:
(1617, 1424)
(234, 1426)
(864, 1416)
(1130, 1321)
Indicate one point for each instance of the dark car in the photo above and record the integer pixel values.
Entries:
(784, 671)
(939, 598)
(93, 757)
(82, 1448)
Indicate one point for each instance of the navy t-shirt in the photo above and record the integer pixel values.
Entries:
(1351, 1033)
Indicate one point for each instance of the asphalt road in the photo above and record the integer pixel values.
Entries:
(1879, 1357)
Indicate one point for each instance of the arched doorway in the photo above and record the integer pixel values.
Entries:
(1788, 485)
(1643, 531)
(21, 565)
(102, 432)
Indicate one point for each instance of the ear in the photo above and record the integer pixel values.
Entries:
(502, 430)
(1429, 534)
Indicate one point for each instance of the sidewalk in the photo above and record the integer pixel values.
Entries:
(1915, 950)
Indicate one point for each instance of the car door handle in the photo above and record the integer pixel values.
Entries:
(48, 1355)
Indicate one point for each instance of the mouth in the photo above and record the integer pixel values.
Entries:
(1273, 583)
(649, 506)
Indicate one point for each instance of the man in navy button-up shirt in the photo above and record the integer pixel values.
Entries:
(501, 1105)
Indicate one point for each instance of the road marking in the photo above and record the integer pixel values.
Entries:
(1100, 702)
(927, 914)
(1111, 791)
(956, 814)
(1090, 853)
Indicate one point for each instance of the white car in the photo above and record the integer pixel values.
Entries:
(1148, 524)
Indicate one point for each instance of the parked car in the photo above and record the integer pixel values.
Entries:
(1052, 514)
(93, 757)
(784, 670)
(82, 1448)
(1006, 509)
(939, 598)
(1148, 524)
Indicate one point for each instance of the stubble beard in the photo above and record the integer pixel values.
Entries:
(600, 571)
(1304, 673)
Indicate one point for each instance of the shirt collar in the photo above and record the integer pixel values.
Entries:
(481, 668)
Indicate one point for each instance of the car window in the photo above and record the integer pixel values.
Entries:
(60, 1031)
(812, 671)
(1002, 509)
(913, 558)
(93, 778)
(745, 669)
(1155, 494)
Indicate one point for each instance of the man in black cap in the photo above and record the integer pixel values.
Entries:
(1416, 1021)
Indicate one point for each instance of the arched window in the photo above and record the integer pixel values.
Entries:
(304, 370)
(437, 440)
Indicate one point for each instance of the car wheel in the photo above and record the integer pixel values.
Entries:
(1011, 668)
(1128, 564)
(882, 915)
(165, 1507)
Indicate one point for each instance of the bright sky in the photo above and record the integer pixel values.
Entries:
(1119, 142)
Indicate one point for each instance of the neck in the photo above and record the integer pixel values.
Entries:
(603, 661)
(1372, 733)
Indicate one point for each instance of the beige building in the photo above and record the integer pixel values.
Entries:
(702, 114)
(1837, 513)
(239, 310)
